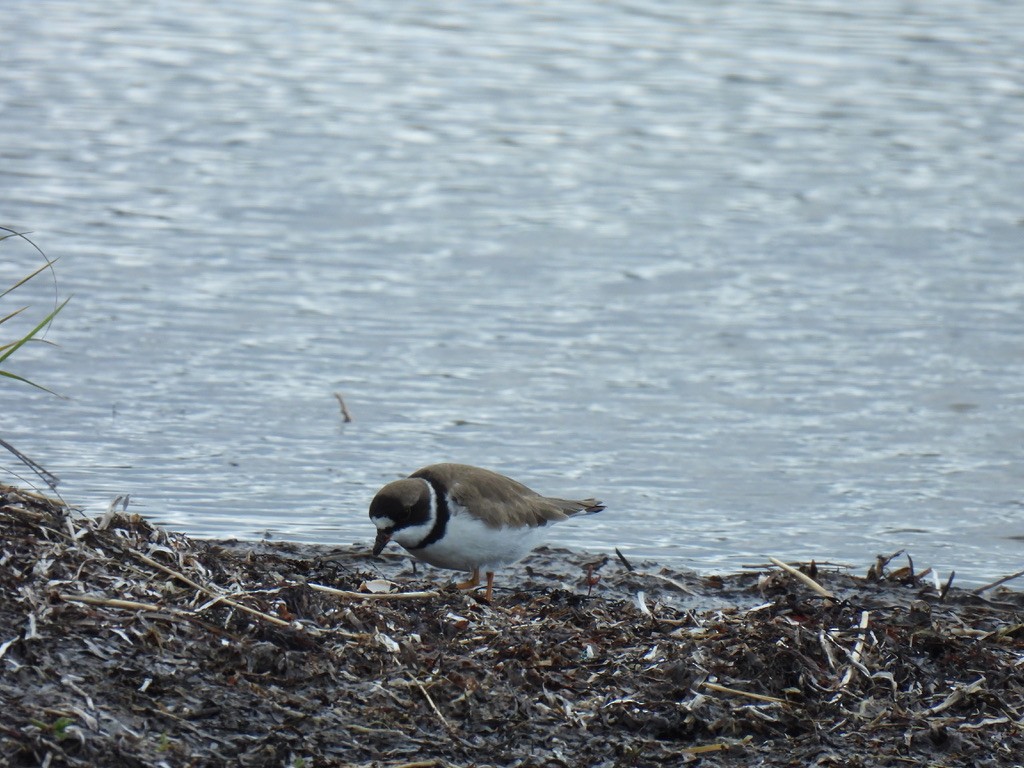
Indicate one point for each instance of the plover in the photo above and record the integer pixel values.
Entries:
(466, 518)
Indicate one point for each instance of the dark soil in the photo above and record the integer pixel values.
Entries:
(123, 644)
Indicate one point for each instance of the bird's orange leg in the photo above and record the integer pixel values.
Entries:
(490, 586)
(592, 580)
(472, 581)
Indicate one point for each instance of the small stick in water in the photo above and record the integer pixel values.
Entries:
(344, 411)
(997, 582)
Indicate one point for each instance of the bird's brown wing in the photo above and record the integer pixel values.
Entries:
(501, 501)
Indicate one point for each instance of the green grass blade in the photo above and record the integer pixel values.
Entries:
(15, 312)
(16, 377)
(42, 324)
(8, 349)
(28, 277)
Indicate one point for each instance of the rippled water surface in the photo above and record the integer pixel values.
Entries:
(753, 273)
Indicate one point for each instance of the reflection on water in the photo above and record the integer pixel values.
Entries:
(750, 273)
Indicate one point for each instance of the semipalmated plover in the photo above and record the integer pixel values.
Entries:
(466, 518)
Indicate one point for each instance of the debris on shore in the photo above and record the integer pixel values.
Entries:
(124, 644)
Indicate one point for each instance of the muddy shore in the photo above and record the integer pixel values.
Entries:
(124, 644)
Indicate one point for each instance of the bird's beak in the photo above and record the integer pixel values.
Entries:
(380, 542)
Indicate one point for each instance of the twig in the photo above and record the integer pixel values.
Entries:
(170, 572)
(997, 582)
(30, 513)
(131, 605)
(373, 731)
(247, 609)
(702, 749)
(206, 590)
(447, 726)
(945, 588)
(748, 694)
(433, 706)
(345, 415)
(623, 560)
(803, 577)
(371, 595)
(36, 496)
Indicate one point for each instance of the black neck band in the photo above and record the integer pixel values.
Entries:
(441, 521)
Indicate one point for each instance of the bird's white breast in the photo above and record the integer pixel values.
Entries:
(469, 543)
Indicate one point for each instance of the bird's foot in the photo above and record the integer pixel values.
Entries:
(472, 581)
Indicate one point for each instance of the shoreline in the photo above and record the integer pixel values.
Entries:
(131, 645)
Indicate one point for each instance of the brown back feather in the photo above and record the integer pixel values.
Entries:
(500, 500)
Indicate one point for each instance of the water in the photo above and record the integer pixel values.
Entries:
(752, 274)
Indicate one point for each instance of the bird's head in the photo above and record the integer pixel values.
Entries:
(403, 510)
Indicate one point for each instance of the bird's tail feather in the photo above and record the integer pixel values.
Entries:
(582, 507)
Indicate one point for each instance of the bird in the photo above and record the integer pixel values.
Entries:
(466, 518)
